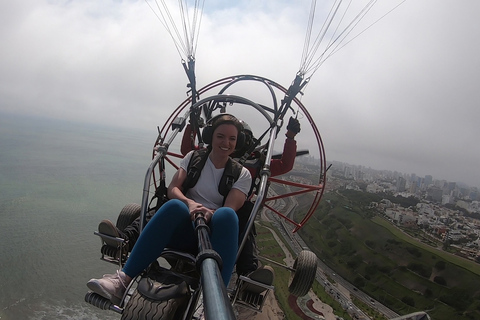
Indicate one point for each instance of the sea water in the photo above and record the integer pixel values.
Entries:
(58, 180)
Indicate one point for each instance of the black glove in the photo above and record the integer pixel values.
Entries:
(293, 125)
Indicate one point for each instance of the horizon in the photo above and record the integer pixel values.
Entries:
(34, 118)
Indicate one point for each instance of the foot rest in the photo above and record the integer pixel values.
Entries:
(113, 249)
(109, 240)
(251, 294)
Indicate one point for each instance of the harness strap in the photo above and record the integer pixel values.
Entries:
(230, 175)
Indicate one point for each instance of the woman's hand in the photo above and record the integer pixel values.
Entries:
(195, 208)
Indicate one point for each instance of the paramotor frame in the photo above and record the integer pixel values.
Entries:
(274, 116)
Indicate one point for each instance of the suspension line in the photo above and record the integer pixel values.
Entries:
(310, 62)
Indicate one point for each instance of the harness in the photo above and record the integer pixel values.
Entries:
(230, 175)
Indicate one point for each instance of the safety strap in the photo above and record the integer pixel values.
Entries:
(197, 162)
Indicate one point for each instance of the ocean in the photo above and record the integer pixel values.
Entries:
(58, 180)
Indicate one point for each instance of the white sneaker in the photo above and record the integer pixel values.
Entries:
(110, 286)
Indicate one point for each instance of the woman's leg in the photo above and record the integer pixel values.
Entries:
(171, 225)
(224, 239)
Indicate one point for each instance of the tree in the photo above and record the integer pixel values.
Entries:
(419, 269)
(370, 244)
(371, 269)
(414, 252)
(458, 298)
(428, 293)
(359, 282)
(440, 265)
(354, 262)
(409, 300)
(440, 280)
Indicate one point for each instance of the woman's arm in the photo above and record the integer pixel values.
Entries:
(174, 190)
(235, 199)
(285, 164)
(238, 194)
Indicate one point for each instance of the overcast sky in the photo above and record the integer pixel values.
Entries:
(402, 96)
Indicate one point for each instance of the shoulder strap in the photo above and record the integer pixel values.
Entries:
(230, 175)
(161, 190)
(195, 166)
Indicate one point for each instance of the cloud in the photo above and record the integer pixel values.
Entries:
(402, 96)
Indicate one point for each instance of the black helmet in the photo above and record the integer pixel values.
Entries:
(249, 140)
(246, 127)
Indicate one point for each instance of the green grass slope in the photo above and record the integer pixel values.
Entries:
(392, 267)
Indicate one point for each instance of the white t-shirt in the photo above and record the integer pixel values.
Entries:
(206, 189)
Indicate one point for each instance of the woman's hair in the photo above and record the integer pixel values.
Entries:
(226, 119)
(215, 122)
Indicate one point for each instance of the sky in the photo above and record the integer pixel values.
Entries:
(402, 96)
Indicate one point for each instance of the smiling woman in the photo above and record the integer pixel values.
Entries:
(172, 224)
(225, 141)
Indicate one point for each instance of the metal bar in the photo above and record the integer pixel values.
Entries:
(264, 175)
(277, 263)
(291, 194)
(280, 214)
(161, 153)
(295, 184)
(215, 298)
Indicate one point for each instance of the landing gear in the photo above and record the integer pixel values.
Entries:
(128, 214)
(305, 270)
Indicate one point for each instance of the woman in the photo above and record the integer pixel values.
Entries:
(172, 225)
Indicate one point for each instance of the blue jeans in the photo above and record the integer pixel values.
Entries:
(172, 227)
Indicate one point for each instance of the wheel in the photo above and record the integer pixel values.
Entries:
(158, 297)
(140, 307)
(128, 214)
(305, 270)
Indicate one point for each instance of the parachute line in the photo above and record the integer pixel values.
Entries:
(338, 37)
(184, 36)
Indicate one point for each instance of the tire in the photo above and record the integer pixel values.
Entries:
(128, 214)
(158, 296)
(305, 270)
(140, 307)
